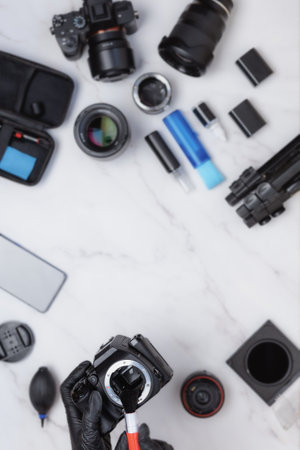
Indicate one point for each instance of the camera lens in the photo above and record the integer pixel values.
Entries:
(191, 44)
(152, 93)
(102, 131)
(268, 362)
(110, 57)
(202, 395)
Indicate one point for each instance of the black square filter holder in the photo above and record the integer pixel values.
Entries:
(254, 67)
(247, 118)
(268, 362)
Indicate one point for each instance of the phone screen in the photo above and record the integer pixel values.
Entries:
(28, 277)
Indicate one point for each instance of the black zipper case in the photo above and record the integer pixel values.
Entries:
(33, 99)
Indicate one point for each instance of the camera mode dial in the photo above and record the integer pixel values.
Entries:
(79, 22)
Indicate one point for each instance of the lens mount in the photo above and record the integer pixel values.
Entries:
(152, 93)
(101, 131)
(202, 395)
(127, 363)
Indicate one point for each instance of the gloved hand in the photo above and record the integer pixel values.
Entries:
(146, 443)
(84, 427)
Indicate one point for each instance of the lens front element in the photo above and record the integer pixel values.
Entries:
(102, 131)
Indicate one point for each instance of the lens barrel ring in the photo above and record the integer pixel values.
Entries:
(110, 55)
(225, 5)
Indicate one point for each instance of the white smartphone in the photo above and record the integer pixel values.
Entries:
(28, 277)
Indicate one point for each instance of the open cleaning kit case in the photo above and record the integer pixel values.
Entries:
(33, 98)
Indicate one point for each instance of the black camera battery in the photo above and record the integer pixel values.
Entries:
(254, 67)
(247, 118)
(33, 98)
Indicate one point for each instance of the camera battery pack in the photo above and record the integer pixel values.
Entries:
(247, 118)
(254, 67)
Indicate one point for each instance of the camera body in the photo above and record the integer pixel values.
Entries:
(122, 358)
(102, 24)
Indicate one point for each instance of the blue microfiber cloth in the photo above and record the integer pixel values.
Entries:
(210, 174)
(17, 163)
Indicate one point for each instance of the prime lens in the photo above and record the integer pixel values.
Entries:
(190, 46)
(102, 131)
(110, 56)
(202, 395)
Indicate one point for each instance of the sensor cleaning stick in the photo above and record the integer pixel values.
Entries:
(193, 149)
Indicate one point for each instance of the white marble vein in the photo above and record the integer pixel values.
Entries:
(142, 256)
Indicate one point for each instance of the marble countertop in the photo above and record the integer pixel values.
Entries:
(142, 256)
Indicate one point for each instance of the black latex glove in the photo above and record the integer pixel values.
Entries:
(84, 427)
(146, 443)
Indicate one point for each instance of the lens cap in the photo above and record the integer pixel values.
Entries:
(152, 93)
(102, 131)
(202, 395)
(16, 341)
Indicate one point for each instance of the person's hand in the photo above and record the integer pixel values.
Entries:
(84, 427)
(146, 443)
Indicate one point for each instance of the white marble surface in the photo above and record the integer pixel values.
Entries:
(141, 256)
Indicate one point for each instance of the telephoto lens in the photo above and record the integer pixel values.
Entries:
(202, 395)
(101, 131)
(191, 44)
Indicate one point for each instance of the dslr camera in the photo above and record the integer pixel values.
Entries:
(102, 25)
(122, 363)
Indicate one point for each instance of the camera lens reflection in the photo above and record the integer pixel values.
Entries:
(102, 131)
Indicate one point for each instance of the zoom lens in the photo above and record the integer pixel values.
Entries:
(202, 395)
(102, 131)
(191, 44)
(110, 57)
